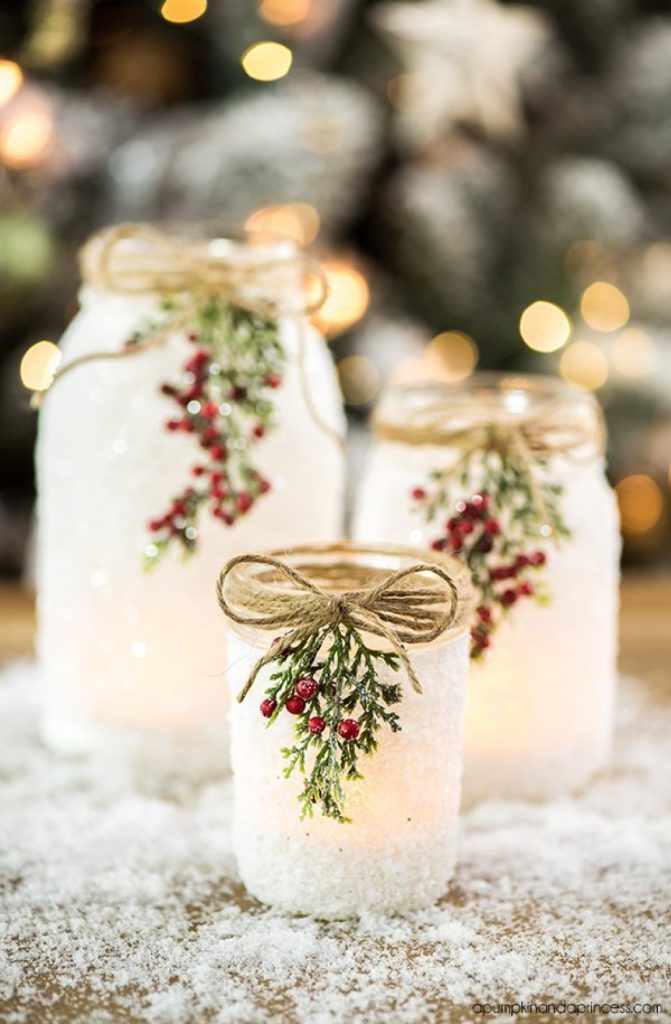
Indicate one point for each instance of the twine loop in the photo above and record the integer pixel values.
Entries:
(402, 607)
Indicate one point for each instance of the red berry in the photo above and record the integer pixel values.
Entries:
(525, 589)
(156, 524)
(455, 542)
(209, 410)
(209, 436)
(267, 707)
(219, 452)
(492, 526)
(259, 431)
(192, 336)
(272, 380)
(485, 544)
(307, 688)
(453, 524)
(348, 729)
(173, 424)
(508, 597)
(437, 545)
(264, 486)
(197, 470)
(485, 613)
(538, 558)
(244, 502)
(502, 572)
(521, 561)
(238, 393)
(460, 506)
(465, 527)
(480, 502)
(317, 725)
(178, 508)
(418, 494)
(169, 390)
(295, 705)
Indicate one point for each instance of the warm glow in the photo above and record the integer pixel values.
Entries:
(25, 138)
(347, 298)
(544, 327)
(452, 356)
(604, 307)
(39, 365)
(297, 221)
(359, 380)
(634, 354)
(584, 365)
(267, 61)
(182, 11)
(284, 12)
(641, 503)
(11, 80)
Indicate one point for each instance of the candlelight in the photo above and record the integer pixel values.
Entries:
(454, 355)
(11, 80)
(297, 221)
(544, 326)
(347, 299)
(39, 365)
(604, 307)
(584, 365)
(267, 61)
(182, 11)
(25, 138)
(284, 12)
(641, 503)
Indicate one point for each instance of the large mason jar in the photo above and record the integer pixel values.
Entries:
(208, 363)
(508, 473)
(391, 844)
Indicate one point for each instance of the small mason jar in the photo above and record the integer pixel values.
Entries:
(130, 656)
(397, 851)
(539, 715)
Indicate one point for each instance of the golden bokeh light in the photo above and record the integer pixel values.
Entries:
(296, 221)
(359, 379)
(11, 80)
(25, 138)
(267, 61)
(454, 355)
(182, 11)
(634, 354)
(641, 503)
(284, 12)
(584, 365)
(544, 326)
(604, 307)
(39, 365)
(347, 298)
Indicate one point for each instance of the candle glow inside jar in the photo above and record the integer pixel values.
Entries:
(540, 704)
(130, 655)
(396, 851)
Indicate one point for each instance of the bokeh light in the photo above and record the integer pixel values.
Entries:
(584, 365)
(454, 354)
(182, 11)
(359, 379)
(11, 80)
(634, 354)
(284, 12)
(604, 307)
(544, 326)
(347, 299)
(297, 221)
(39, 365)
(25, 138)
(267, 61)
(641, 503)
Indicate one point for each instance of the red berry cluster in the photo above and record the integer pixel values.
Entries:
(305, 689)
(500, 571)
(229, 485)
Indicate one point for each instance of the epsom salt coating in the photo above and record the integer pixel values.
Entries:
(350, 665)
(507, 474)
(194, 414)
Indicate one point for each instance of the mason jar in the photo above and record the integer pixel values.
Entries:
(132, 655)
(396, 850)
(539, 716)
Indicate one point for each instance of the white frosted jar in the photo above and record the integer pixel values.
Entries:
(398, 851)
(135, 657)
(539, 716)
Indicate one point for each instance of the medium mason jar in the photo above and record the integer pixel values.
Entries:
(539, 716)
(397, 851)
(136, 657)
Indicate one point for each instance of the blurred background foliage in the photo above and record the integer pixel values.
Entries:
(487, 185)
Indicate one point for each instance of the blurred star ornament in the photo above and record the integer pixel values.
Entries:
(465, 59)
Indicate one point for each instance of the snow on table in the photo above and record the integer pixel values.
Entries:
(120, 900)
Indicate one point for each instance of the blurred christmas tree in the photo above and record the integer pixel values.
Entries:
(487, 184)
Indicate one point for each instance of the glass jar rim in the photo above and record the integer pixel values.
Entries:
(332, 567)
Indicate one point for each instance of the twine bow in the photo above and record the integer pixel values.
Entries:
(394, 609)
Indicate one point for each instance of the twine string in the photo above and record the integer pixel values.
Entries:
(394, 609)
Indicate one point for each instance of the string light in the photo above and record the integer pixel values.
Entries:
(182, 11)
(604, 307)
(347, 299)
(359, 379)
(634, 354)
(25, 138)
(584, 365)
(11, 80)
(641, 503)
(297, 221)
(452, 356)
(267, 61)
(39, 365)
(544, 327)
(284, 12)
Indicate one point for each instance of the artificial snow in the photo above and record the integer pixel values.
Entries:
(120, 900)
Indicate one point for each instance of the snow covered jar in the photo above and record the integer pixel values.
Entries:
(350, 665)
(195, 414)
(507, 473)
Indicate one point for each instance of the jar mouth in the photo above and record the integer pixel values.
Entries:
(344, 568)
